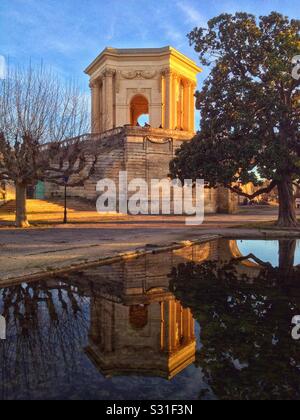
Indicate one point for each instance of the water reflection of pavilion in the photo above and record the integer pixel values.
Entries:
(155, 339)
(137, 325)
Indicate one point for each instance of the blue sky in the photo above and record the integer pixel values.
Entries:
(69, 34)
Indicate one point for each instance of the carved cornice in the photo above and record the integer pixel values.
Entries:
(156, 140)
(96, 83)
(109, 72)
(149, 74)
(168, 141)
(167, 72)
(187, 83)
(138, 74)
(170, 73)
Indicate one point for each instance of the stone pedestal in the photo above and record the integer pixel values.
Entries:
(144, 153)
(227, 202)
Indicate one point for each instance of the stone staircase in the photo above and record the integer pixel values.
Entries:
(49, 206)
(76, 204)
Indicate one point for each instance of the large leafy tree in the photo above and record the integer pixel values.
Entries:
(250, 108)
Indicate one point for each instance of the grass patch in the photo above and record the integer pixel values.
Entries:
(264, 226)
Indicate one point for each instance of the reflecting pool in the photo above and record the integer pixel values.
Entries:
(211, 321)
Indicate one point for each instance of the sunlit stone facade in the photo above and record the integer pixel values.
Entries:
(127, 83)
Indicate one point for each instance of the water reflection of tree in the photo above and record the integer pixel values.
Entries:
(247, 352)
(46, 327)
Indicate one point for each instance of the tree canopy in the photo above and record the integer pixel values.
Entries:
(250, 108)
(247, 350)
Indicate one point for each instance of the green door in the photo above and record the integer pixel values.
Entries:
(40, 190)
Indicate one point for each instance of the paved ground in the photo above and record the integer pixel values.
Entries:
(45, 213)
(25, 253)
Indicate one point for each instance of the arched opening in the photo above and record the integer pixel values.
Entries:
(143, 119)
(138, 316)
(139, 107)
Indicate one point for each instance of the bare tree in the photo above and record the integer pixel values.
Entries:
(38, 114)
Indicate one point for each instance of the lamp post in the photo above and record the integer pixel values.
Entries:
(66, 180)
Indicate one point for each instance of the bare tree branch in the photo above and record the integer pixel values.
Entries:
(38, 114)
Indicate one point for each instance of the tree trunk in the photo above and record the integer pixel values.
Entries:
(21, 211)
(287, 206)
(287, 250)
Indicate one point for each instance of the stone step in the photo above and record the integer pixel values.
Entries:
(53, 206)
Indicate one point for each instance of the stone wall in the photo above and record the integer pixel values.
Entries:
(144, 153)
(227, 202)
(7, 192)
(110, 152)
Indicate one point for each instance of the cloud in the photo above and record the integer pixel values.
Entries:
(2, 67)
(171, 33)
(191, 14)
(112, 30)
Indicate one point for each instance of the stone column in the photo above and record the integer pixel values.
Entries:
(162, 327)
(96, 113)
(168, 99)
(182, 105)
(192, 106)
(169, 326)
(175, 98)
(189, 325)
(162, 90)
(179, 320)
(108, 99)
(192, 324)
(173, 325)
(186, 105)
(101, 106)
